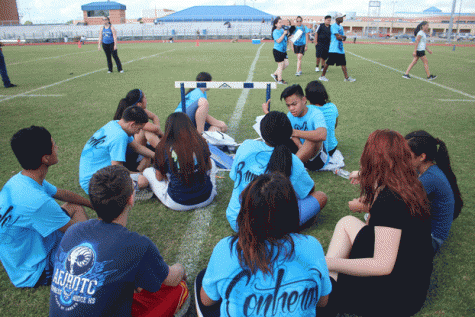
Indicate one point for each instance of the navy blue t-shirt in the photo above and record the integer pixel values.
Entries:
(324, 35)
(97, 268)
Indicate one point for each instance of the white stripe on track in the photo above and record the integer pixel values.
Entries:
(79, 76)
(450, 100)
(198, 228)
(420, 78)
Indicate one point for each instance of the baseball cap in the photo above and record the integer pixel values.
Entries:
(340, 15)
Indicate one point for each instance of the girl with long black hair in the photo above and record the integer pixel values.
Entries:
(431, 159)
(420, 49)
(108, 39)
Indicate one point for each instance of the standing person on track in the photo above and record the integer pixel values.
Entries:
(336, 53)
(420, 49)
(280, 50)
(322, 42)
(3, 70)
(300, 45)
(108, 39)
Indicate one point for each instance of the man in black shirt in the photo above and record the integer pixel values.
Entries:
(322, 41)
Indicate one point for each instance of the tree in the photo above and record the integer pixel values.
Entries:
(28, 23)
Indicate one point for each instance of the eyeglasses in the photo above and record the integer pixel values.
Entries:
(298, 20)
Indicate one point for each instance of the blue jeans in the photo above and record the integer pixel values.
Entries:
(3, 71)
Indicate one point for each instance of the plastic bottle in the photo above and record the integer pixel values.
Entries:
(342, 173)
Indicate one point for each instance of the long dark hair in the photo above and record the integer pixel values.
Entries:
(387, 162)
(422, 142)
(419, 27)
(191, 150)
(269, 214)
(203, 76)
(274, 23)
(133, 97)
(276, 130)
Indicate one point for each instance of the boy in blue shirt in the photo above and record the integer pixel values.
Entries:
(32, 223)
(300, 45)
(109, 144)
(336, 53)
(310, 129)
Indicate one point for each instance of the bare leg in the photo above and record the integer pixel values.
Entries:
(216, 125)
(76, 212)
(278, 72)
(152, 138)
(201, 114)
(299, 62)
(343, 237)
(321, 197)
(142, 182)
(144, 163)
(426, 65)
(414, 61)
(345, 72)
(324, 70)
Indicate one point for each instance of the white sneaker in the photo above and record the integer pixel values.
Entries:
(121, 71)
(317, 69)
(323, 78)
(350, 79)
(109, 72)
(298, 73)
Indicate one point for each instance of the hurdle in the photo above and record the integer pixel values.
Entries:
(223, 85)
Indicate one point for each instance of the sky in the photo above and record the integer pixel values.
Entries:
(50, 11)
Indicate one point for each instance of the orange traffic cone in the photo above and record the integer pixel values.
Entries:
(79, 44)
(197, 43)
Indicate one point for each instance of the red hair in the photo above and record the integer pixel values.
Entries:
(386, 162)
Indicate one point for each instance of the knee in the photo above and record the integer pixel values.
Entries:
(73, 209)
(203, 104)
(142, 182)
(321, 197)
(346, 222)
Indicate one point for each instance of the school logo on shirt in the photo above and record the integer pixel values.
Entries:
(77, 276)
(96, 142)
(6, 221)
(246, 176)
(302, 127)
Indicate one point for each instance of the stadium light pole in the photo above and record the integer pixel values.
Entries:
(451, 23)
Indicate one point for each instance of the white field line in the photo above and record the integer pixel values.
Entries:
(1, 96)
(52, 57)
(451, 100)
(76, 77)
(198, 228)
(420, 78)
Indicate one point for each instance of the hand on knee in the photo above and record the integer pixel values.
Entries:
(142, 182)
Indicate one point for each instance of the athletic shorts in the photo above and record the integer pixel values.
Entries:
(309, 207)
(279, 56)
(336, 59)
(299, 49)
(420, 53)
(321, 51)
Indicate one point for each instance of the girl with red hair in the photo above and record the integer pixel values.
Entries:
(383, 267)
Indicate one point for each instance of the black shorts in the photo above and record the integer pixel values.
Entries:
(279, 56)
(321, 51)
(299, 49)
(336, 59)
(420, 53)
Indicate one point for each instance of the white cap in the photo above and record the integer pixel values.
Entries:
(340, 15)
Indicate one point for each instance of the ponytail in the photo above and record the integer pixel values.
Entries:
(280, 160)
(274, 23)
(419, 27)
(123, 104)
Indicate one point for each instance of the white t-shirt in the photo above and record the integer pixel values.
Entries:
(422, 43)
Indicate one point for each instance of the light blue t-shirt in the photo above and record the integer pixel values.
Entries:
(108, 144)
(251, 161)
(335, 45)
(29, 235)
(282, 46)
(107, 36)
(303, 38)
(330, 112)
(190, 98)
(312, 120)
(442, 202)
(294, 289)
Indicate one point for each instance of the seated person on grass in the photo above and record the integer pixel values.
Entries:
(109, 144)
(149, 136)
(309, 127)
(197, 108)
(32, 223)
(317, 95)
(100, 263)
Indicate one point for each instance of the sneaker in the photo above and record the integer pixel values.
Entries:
(323, 78)
(282, 82)
(350, 79)
(143, 194)
(10, 86)
(274, 77)
(431, 77)
(121, 72)
(109, 72)
(406, 76)
(298, 73)
(317, 69)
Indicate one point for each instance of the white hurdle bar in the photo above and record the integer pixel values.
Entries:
(223, 85)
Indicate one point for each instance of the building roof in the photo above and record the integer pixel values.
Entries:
(105, 5)
(217, 13)
(432, 10)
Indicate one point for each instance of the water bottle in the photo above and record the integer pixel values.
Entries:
(342, 173)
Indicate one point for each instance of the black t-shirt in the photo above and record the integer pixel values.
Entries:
(324, 35)
(403, 291)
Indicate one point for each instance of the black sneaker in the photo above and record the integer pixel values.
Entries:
(431, 77)
(11, 86)
(406, 76)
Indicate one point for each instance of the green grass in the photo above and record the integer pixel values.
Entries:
(379, 98)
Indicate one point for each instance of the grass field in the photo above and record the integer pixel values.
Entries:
(68, 91)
